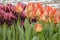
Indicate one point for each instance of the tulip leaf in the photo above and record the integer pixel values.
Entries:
(35, 38)
(27, 29)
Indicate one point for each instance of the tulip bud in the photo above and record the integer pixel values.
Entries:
(18, 8)
(38, 27)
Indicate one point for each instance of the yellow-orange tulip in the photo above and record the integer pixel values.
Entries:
(18, 8)
(38, 27)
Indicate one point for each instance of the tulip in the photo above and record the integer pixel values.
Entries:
(18, 8)
(6, 16)
(39, 5)
(21, 4)
(23, 16)
(42, 17)
(38, 27)
(52, 12)
(1, 6)
(45, 12)
(38, 12)
(10, 16)
(30, 7)
(29, 10)
(59, 16)
(56, 20)
(48, 8)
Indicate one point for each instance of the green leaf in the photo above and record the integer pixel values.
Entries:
(9, 34)
(4, 31)
(1, 33)
(27, 29)
(54, 36)
(19, 31)
(35, 38)
(58, 36)
(13, 32)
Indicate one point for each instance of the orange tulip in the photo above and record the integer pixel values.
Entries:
(38, 12)
(59, 16)
(34, 11)
(45, 13)
(42, 17)
(30, 14)
(39, 6)
(29, 9)
(56, 20)
(30, 6)
(38, 27)
(18, 8)
(48, 8)
(52, 12)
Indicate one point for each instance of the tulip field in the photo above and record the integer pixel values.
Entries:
(31, 21)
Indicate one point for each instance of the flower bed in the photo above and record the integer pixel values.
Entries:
(29, 22)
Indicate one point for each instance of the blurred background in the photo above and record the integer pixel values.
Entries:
(32, 0)
(54, 3)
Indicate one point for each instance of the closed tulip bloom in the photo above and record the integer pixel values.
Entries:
(38, 12)
(52, 12)
(56, 20)
(38, 27)
(45, 13)
(42, 17)
(48, 8)
(30, 6)
(18, 8)
(39, 5)
(59, 17)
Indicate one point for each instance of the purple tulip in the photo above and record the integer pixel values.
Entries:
(6, 16)
(23, 16)
(11, 16)
(1, 6)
